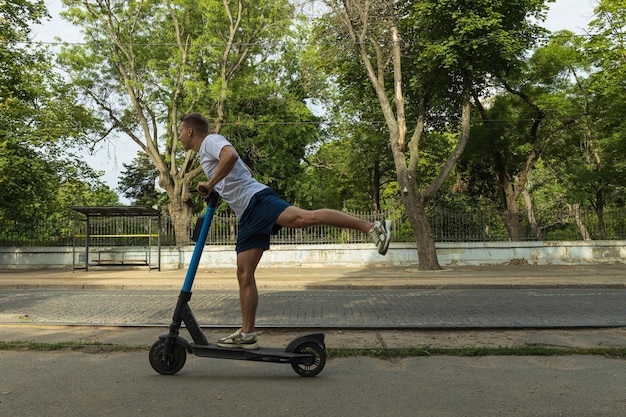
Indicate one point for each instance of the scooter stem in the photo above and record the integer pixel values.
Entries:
(211, 201)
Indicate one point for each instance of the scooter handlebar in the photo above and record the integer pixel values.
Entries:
(210, 199)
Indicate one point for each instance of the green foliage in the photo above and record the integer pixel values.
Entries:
(349, 173)
(15, 62)
(36, 185)
(444, 44)
(481, 39)
(272, 137)
(607, 49)
(354, 165)
(24, 183)
(329, 174)
(591, 84)
(470, 34)
(268, 120)
(138, 180)
(40, 119)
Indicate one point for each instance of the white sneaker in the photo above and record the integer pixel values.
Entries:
(236, 340)
(381, 235)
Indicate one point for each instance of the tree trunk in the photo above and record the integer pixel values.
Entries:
(600, 213)
(511, 214)
(356, 17)
(375, 193)
(426, 249)
(531, 215)
(511, 219)
(180, 207)
(181, 219)
(584, 232)
(508, 197)
(415, 206)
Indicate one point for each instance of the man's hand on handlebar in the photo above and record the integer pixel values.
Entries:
(204, 188)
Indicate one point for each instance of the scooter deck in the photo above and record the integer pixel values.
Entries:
(265, 354)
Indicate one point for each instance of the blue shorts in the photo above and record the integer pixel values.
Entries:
(258, 222)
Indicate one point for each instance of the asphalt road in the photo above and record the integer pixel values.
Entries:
(68, 384)
(449, 308)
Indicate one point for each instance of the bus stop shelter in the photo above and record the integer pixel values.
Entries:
(99, 212)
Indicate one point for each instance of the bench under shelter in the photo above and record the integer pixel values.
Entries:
(110, 256)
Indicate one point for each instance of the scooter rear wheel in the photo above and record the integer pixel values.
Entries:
(171, 364)
(317, 363)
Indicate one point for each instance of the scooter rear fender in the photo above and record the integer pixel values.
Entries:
(309, 337)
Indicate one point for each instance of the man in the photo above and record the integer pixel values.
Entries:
(260, 212)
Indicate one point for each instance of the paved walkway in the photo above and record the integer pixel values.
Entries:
(485, 297)
(369, 278)
(352, 309)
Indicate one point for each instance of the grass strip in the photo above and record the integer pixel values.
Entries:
(535, 350)
(91, 347)
(388, 353)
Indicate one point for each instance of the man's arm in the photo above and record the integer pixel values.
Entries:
(228, 158)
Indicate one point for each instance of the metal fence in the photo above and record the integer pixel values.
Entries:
(480, 225)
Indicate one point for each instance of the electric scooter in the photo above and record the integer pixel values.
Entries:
(306, 354)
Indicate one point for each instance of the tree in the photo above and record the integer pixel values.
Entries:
(24, 171)
(34, 133)
(138, 181)
(144, 64)
(349, 173)
(355, 157)
(82, 186)
(452, 47)
(15, 59)
(563, 108)
(604, 169)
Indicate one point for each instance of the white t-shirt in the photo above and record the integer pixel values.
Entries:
(238, 187)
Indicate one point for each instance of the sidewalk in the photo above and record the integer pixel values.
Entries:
(367, 278)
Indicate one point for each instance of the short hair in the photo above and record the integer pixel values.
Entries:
(197, 121)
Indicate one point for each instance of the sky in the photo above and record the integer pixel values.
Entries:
(563, 14)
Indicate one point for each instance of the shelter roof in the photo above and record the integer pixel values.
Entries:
(117, 211)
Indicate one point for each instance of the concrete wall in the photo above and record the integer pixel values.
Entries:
(472, 253)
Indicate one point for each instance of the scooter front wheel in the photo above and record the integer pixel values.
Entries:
(317, 362)
(167, 364)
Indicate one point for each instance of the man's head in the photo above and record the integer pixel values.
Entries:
(193, 128)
